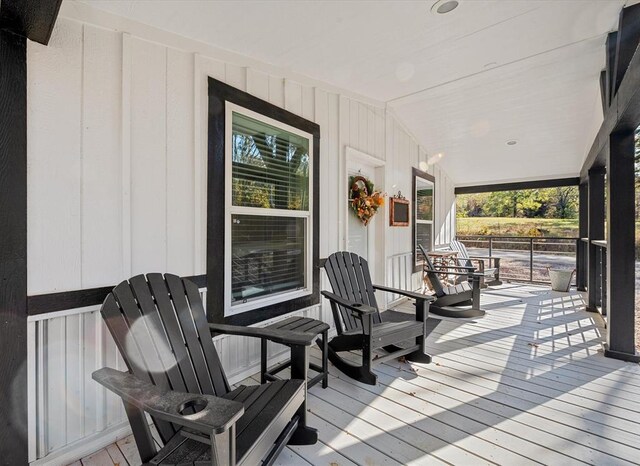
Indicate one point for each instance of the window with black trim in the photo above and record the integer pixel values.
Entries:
(262, 224)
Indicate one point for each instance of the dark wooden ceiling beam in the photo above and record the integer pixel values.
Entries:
(536, 184)
(604, 91)
(33, 19)
(610, 47)
(627, 41)
(623, 113)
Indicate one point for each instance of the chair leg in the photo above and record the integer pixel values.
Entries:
(141, 432)
(422, 312)
(325, 359)
(367, 358)
(263, 360)
(223, 448)
(359, 373)
(475, 293)
(303, 435)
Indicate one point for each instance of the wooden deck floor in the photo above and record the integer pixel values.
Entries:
(525, 384)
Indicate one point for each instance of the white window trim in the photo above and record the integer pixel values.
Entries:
(424, 222)
(238, 308)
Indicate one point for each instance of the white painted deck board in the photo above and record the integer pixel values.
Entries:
(489, 397)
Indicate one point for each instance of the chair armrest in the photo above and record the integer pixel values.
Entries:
(285, 337)
(409, 294)
(462, 267)
(359, 308)
(485, 258)
(467, 274)
(217, 416)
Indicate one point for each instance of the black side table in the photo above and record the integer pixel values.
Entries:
(304, 325)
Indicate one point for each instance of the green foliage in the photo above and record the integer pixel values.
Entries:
(502, 226)
(283, 164)
(530, 203)
(249, 193)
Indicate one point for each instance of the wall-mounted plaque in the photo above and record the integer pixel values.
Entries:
(399, 211)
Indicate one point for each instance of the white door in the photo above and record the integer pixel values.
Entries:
(359, 237)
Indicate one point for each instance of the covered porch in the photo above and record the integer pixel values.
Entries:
(526, 384)
(198, 139)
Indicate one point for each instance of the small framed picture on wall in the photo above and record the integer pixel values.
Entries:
(399, 212)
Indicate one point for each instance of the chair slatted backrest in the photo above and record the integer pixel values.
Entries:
(160, 327)
(434, 279)
(463, 254)
(350, 279)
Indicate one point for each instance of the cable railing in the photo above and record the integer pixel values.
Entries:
(600, 296)
(525, 258)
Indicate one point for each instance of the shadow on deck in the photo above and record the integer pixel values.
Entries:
(525, 384)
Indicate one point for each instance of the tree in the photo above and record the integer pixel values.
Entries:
(529, 203)
(566, 202)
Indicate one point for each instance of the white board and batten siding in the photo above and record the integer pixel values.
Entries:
(117, 186)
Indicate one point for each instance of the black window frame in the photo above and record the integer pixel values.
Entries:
(219, 94)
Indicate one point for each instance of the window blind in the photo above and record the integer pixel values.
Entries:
(268, 255)
(270, 166)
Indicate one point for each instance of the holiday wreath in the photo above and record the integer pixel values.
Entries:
(364, 200)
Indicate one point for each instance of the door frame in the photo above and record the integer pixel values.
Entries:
(376, 232)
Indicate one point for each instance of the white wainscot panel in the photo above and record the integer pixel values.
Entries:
(72, 415)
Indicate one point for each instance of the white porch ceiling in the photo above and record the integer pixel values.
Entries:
(465, 83)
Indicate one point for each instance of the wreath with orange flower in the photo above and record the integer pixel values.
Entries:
(364, 199)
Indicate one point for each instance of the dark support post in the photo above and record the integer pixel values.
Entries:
(621, 248)
(583, 232)
(596, 231)
(13, 253)
(19, 20)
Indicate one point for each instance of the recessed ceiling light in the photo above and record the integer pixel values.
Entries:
(513, 142)
(442, 7)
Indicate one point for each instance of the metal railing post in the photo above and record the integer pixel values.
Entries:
(603, 292)
(549, 245)
(598, 279)
(531, 259)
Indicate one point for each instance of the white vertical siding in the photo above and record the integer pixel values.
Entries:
(180, 173)
(101, 166)
(117, 186)
(403, 153)
(54, 165)
(69, 406)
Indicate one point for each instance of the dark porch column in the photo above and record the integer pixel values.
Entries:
(583, 232)
(13, 253)
(596, 231)
(621, 248)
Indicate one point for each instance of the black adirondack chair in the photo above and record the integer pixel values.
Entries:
(175, 375)
(360, 325)
(459, 300)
